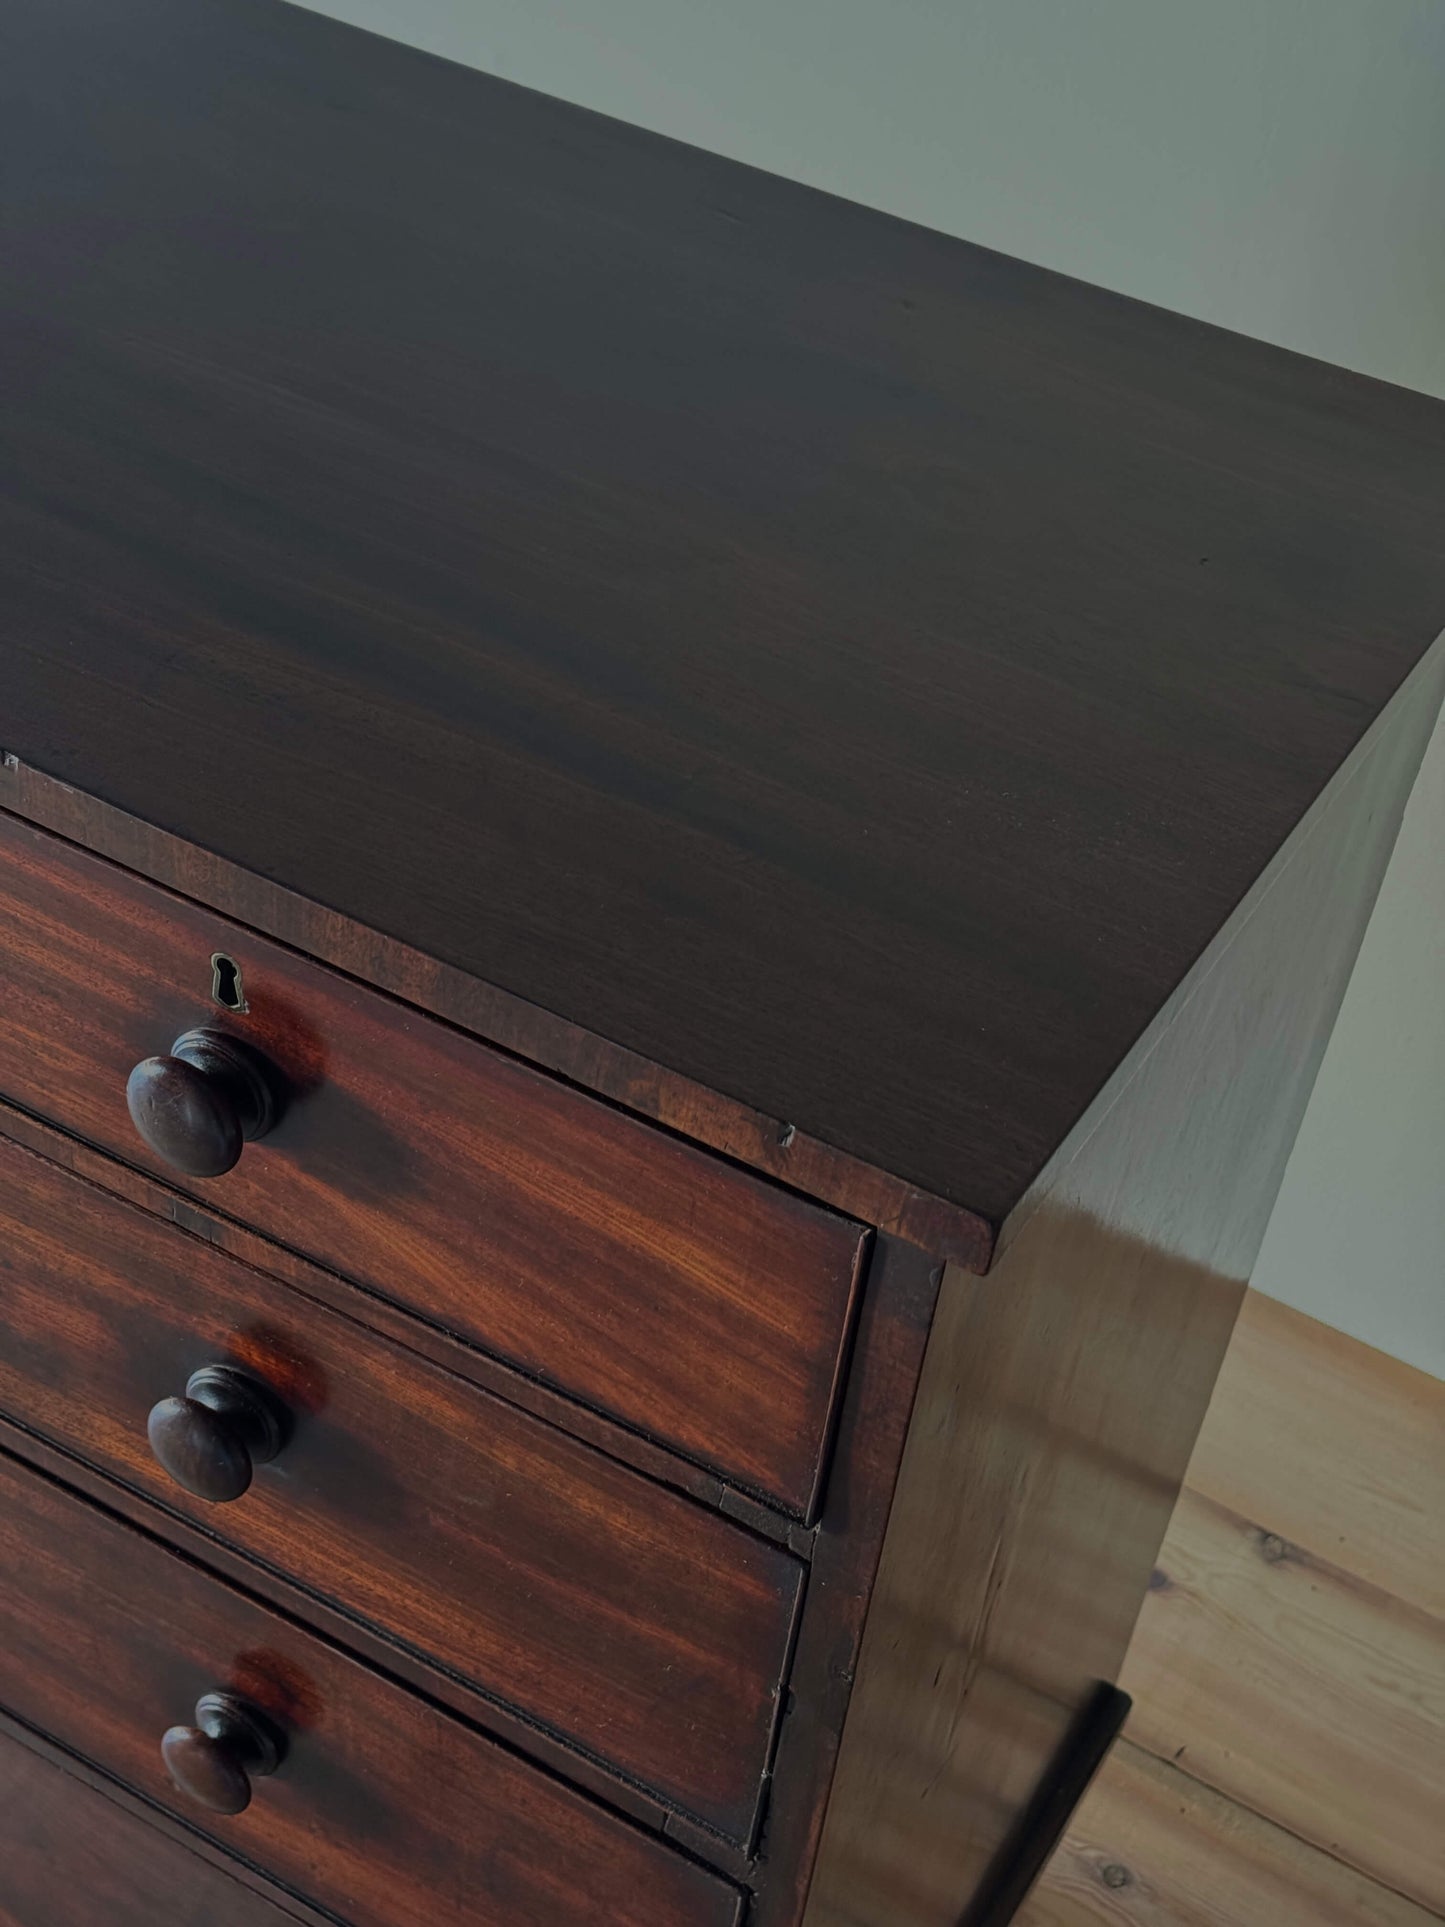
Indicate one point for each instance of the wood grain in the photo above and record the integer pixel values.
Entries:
(897, 1314)
(1030, 1504)
(838, 664)
(843, 1549)
(1299, 1692)
(378, 1314)
(451, 1693)
(695, 1302)
(71, 1858)
(155, 1820)
(768, 1144)
(385, 1809)
(1151, 1847)
(1340, 1450)
(624, 1619)
(1061, 1395)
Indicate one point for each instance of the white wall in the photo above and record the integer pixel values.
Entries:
(1277, 166)
(1358, 1235)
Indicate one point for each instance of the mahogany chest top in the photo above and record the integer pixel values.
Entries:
(674, 862)
(846, 668)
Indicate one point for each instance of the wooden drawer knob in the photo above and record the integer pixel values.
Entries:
(198, 1106)
(214, 1762)
(211, 1440)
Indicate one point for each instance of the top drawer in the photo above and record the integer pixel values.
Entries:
(685, 1298)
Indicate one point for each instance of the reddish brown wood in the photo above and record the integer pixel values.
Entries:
(398, 1662)
(772, 1145)
(692, 1300)
(210, 1438)
(216, 1763)
(379, 1314)
(384, 1809)
(1061, 1396)
(1066, 1338)
(893, 1331)
(197, 1104)
(621, 1617)
(837, 662)
(70, 1857)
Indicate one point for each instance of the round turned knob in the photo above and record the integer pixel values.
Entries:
(198, 1106)
(214, 1762)
(210, 1440)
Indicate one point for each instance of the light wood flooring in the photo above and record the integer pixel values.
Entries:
(1284, 1765)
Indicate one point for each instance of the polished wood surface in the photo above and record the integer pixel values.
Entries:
(214, 1763)
(211, 1439)
(920, 728)
(202, 1101)
(898, 1307)
(1061, 1396)
(704, 1307)
(842, 665)
(623, 1618)
(378, 1314)
(70, 1857)
(384, 1809)
(768, 1144)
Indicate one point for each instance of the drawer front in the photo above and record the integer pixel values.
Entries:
(383, 1808)
(70, 1857)
(627, 1620)
(680, 1295)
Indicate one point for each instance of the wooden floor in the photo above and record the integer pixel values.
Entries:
(1284, 1765)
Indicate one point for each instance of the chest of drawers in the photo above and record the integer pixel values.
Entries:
(674, 860)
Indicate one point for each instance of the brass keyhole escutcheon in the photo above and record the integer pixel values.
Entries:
(226, 988)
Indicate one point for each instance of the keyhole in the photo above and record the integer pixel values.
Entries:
(226, 982)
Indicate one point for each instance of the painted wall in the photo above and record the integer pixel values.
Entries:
(1277, 166)
(1358, 1234)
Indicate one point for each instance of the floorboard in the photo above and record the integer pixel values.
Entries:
(1343, 1446)
(1285, 1761)
(1152, 1848)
